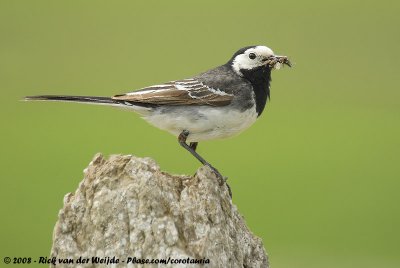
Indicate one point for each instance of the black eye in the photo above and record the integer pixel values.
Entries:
(252, 56)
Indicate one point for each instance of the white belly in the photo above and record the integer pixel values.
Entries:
(203, 123)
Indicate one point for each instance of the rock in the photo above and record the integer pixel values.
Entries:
(126, 207)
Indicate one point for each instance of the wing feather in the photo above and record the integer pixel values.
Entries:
(182, 92)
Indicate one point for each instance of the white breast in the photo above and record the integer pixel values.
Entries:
(203, 123)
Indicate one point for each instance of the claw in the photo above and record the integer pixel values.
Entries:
(222, 179)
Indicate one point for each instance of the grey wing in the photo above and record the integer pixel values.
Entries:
(181, 92)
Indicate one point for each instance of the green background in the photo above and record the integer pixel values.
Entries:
(317, 177)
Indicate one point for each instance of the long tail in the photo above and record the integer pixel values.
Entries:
(81, 99)
(141, 108)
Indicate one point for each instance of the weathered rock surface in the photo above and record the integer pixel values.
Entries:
(126, 207)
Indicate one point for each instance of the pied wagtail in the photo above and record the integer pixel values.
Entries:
(215, 104)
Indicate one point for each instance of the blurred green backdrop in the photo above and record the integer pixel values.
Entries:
(317, 177)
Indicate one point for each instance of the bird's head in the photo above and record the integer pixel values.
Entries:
(256, 57)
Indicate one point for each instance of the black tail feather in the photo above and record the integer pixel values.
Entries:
(84, 99)
(89, 100)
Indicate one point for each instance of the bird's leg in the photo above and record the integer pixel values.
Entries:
(193, 145)
(191, 148)
(182, 141)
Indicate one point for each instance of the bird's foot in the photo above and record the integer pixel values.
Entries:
(222, 179)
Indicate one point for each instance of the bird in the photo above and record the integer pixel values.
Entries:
(216, 104)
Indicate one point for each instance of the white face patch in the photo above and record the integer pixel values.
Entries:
(247, 61)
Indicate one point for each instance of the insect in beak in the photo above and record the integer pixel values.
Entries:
(276, 61)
